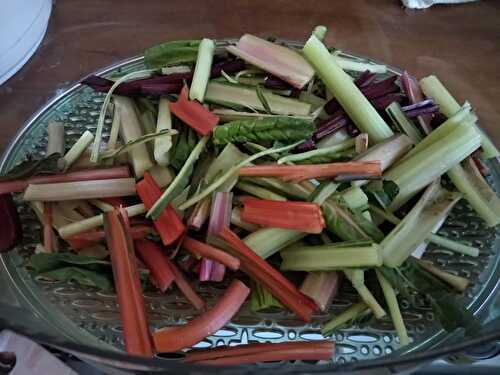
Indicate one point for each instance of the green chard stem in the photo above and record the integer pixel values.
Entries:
(392, 303)
(434, 238)
(259, 191)
(357, 279)
(331, 257)
(162, 146)
(352, 100)
(434, 205)
(437, 153)
(345, 317)
(245, 97)
(433, 88)
(402, 122)
(268, 241)
(78, 149)
(320, 32)
(179, 180)
(345, 145)
(202, 70)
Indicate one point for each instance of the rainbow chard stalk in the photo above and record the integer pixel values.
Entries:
(437, 153)
(434, 205)
(268, 241)
(433, 88)
(331, 257)
(357, 279)
(202, 70)
(348, 95)
(281, 61)
(321, 287)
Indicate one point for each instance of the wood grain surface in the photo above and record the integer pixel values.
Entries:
(460, 44)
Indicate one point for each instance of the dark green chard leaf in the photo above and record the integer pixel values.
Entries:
(184, 143)
(31, 167)
(70, 267)
(383, 191)
(411, 277)
(286, 129)
(171, 53)
(82, 276)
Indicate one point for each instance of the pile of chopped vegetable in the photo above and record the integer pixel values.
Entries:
(233, 165)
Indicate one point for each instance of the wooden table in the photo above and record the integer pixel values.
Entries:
(460, 44)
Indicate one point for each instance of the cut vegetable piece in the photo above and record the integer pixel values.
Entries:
(345, 317)
(340, 171)
(263, 352)
(236, 220)
(180, 181)
(168, 224)
(71, 229)
(392, 304)
(414, 95)
(321, 287)
(193, 113)
(352, 100)
(62, 191)
(285, 129)
(16, 186)
(263, 273)
(434, 205)
(268, 241)
(355, 198)
(204, 250)
(220, 213)
(299, 216)
(55, 138)
(346, 145)
(186, 289)
(441, 150)
(262, 299)
(130, 145)
(244, 97)
(320, 32)
(202, 70)
(131, 130)
(433, 88)
(387, 152)
(402, 122)
(128, 286)
(358, 66)
(361, 144)
(200, 214)
(281, 61)
(357, 279)
(172, 339)
(227, 115)
(163, 145)
(48, 235)
(153, 257)
(457, 282)
(331, 257)
(171, 53)
(78, 149)
(162, 175)
(259, 191)
(91, 238)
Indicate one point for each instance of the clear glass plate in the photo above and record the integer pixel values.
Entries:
(86, 316)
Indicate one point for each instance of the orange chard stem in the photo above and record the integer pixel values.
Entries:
(172, 339)
(301, 216)
(343, 171)
(157, 263)
(169, 226)
(128, 286)
(204, 250)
